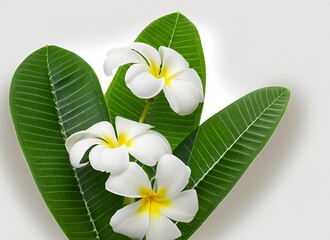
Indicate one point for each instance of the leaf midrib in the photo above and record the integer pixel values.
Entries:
(60, 121)
(236, 140)
(174, 29)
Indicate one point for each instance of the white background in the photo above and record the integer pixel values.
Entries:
(285, 194)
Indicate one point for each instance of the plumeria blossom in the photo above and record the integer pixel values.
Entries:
(110, 151)
(152, 214)
(153, 71)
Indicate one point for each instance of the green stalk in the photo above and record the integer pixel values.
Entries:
(146, 110)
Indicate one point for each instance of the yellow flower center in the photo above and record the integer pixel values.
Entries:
(161, 72)
(122, 140)
(153, 202)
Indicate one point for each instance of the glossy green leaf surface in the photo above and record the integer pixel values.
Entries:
(177, 32)
(55, 93)
(223, 147)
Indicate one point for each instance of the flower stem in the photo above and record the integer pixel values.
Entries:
(146, 110)
(128, 201)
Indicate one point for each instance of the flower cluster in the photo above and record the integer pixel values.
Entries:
(155, 203)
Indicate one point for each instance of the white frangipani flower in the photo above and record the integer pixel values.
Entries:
(154, 71)
(151, 214)
(110, 151)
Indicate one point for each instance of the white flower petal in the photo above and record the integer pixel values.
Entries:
(135, 70)
(149, 147)
(145, 85)
(173, 61)
(74, 138)
(79, 149)
(129, 183)
(183, 97)
(117, 57)
(183, 207)
(172, 174)
(115, 160)
(192, 77)
(95, 157)
(162, 228)
(99, 130)
(103, 130)
(128, 221)
(148, 52)
(130, 128)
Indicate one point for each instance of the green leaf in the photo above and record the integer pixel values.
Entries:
(223, 147)
(53, 94)
(177, 32)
